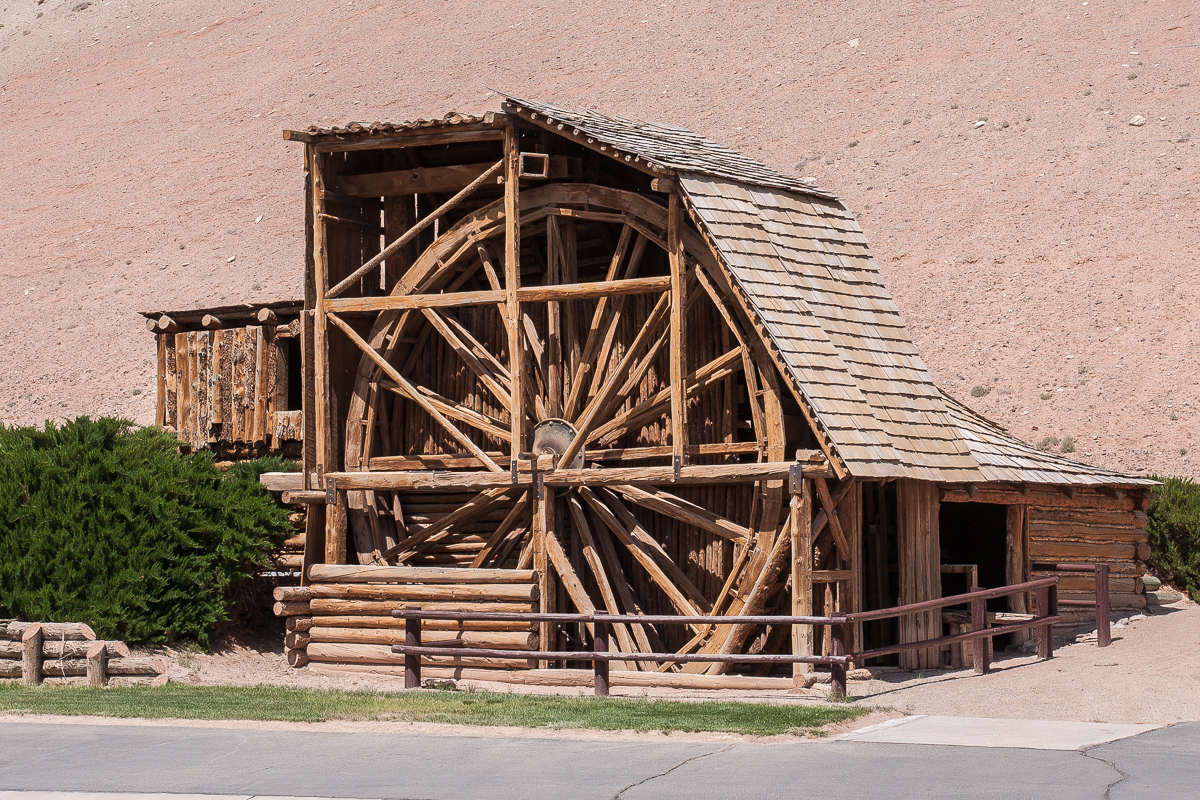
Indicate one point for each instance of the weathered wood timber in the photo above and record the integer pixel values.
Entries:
(558, 360)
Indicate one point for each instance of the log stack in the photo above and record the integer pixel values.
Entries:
(345, 615)
(34, 651)
(290, 557)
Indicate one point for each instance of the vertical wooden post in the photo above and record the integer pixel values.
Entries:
(97, 665)
(1045, 633)
(978, 623)
(850, 516)
(31, 655)
(678, 332)
(1103, 609)
(919, 542)
(600, 666)
(512, 280)
(326, 458)
(838, 670)
(160, 406)
(1016, 568)
(412, 661)
(801, 532)
(543, 527)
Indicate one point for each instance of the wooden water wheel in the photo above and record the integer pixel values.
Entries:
(599, 333)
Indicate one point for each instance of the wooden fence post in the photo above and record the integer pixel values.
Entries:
(1103, 611)
(1045, 634)
(97, 665)
(978, 623)
(412, 661)
(600, 666)
(837, 671)
(31, 655)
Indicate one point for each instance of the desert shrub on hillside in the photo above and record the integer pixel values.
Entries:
(1174, 530)
(107, 523)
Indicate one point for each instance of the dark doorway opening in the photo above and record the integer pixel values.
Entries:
(881, 587)
(975, 533)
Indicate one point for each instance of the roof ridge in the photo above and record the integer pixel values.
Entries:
(660, 144)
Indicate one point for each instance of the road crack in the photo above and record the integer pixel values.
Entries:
(1107, 789)
(1087, 753)
(664, 773)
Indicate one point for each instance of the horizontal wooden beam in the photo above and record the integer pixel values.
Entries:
(282, 481)
(526, 294)
(426, 180)
(468, 461)
(411, 181)
(1048, 497)
(831, 575)
(370, 573)
(694, 474)
(399, 139)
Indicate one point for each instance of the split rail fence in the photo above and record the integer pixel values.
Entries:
(1045, 589)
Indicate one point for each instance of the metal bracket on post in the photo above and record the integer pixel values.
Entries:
(795, 478)
(331, 491)
(676, 464)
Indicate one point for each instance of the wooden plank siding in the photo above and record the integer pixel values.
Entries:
(226, 389)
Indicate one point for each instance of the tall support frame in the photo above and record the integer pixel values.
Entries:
(678, 331)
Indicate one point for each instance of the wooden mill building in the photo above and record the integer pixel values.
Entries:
(560, 360)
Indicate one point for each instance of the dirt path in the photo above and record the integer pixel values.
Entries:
(1149, 674)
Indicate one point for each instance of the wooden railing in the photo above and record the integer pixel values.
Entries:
(600, 655)
(1046, 590)
(1101, 603)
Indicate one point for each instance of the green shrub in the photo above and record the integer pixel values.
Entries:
(106, 523)
(1174, 531)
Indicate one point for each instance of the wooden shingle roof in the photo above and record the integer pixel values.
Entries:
(1003, 458)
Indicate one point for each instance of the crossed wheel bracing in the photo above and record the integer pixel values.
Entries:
(435, 392)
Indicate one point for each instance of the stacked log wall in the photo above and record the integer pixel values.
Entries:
(344, 615)
(1091, 536)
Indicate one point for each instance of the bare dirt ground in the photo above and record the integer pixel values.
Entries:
(1149, 674)
(1038, 243)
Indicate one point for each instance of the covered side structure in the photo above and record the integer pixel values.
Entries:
(558, 360)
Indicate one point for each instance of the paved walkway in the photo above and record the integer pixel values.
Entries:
(50, 759)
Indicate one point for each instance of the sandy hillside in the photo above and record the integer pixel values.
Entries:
(1047, 252)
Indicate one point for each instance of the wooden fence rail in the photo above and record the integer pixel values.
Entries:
(1046, 590)
(1101, 603)
(600, 655)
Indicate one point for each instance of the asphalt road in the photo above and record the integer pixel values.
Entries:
(180, 760)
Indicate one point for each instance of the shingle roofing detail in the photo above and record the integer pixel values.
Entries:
(1004, 458)
(805, 269)
(667, 146)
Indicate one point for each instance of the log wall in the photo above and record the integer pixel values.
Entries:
(344, 615)
(1089, 536)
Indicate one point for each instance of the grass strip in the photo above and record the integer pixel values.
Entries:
(179, 701)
